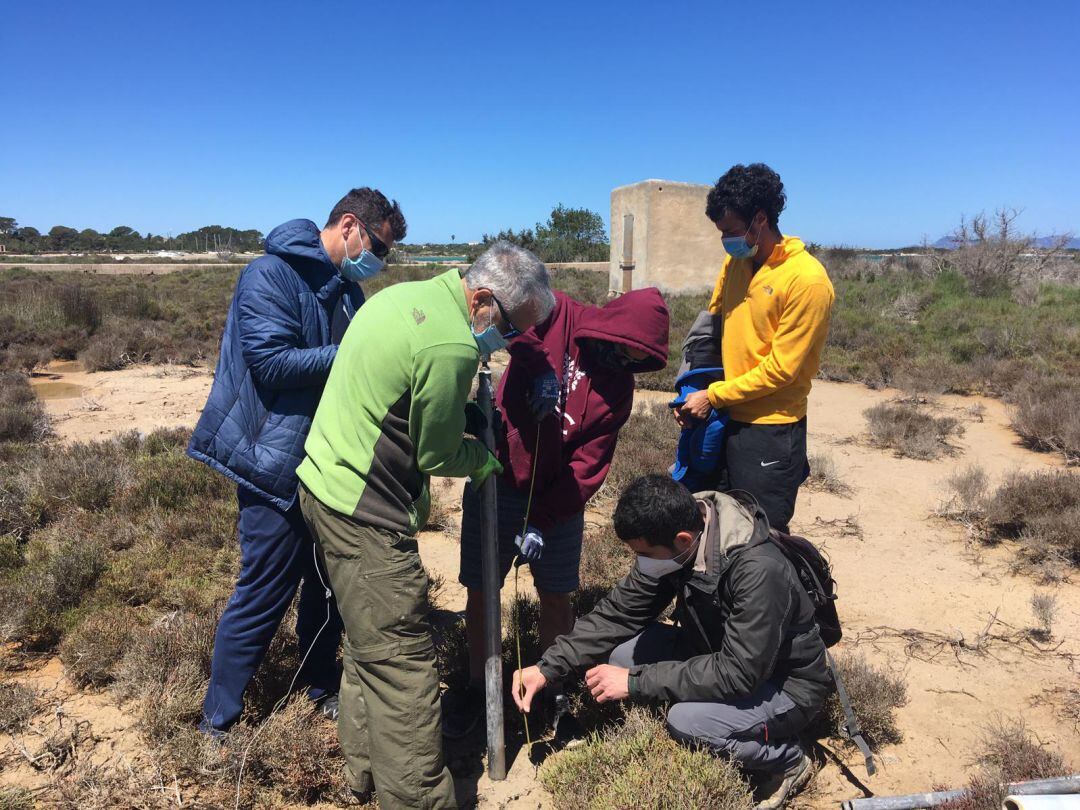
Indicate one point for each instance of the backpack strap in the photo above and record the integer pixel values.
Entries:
(851, 723)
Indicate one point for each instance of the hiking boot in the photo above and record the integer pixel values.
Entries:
(463, 710)
(792, 781)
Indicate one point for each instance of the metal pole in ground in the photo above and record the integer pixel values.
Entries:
(496, 744)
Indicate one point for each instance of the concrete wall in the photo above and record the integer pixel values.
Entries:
(676, 247)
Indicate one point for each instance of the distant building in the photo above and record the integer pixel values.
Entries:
(675, 246)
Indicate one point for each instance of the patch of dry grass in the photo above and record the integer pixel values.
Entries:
(1008, 753)
(875, 695)
(910, 431)
(18, 703)
(824, 477)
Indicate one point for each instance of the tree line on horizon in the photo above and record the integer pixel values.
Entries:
(124, 239)
(570, 234)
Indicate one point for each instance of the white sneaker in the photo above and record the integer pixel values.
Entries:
(792, 781)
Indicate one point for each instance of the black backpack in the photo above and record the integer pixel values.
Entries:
(815, 574)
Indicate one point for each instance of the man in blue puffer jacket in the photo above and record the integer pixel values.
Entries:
(287, 317)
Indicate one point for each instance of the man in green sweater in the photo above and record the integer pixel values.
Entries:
(391, 416)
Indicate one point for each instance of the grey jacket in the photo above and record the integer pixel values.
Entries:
(744, 619)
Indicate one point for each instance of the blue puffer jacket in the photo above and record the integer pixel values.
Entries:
(275, 356)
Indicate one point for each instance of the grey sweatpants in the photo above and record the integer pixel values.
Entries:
(757, 732)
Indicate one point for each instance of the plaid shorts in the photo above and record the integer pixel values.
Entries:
(557, 569)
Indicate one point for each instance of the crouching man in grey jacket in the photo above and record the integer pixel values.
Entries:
(744, 668)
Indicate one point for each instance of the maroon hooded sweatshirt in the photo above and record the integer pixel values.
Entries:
(576, 443)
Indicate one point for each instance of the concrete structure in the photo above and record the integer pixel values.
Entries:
(675, 246)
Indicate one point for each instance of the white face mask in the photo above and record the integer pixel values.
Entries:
(654, 568)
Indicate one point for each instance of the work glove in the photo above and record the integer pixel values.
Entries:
(475, 421)
(484, 471)
(544, 396)
(530, 545)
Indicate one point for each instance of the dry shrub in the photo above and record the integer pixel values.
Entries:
(646, 445)
(296, 753)
(17, 798)
(82, 476)
(967, 493)
(104, 786)
(1008, 754)
(92, 650)
(18, 703)
(1042, 510)
(171, 480)
(1046, 416)
(166, 667)
(910, 431)
(441, 516)
(638, 765)
(1044, 608)
(824, 476)
(22, 418)
(605, 559)
(875, 696)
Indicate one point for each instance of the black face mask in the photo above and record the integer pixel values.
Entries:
(607, 356)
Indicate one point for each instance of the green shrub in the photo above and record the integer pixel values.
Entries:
(910, 431)
(82, 476)
(637, 764)
(17, 798)
(875, 696)
(22, 419)
(60, 568)
(1041, 509)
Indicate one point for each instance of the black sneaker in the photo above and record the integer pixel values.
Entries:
(462, 711)
(328, 706)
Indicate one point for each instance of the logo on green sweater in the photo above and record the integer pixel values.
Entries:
(418, 316)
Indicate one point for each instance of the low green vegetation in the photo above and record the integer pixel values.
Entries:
(637, 764)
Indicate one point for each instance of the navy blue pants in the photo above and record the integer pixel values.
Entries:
(276, 553)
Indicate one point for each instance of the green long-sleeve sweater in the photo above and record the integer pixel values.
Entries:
(392, 413)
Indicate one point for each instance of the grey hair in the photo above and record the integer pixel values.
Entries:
(515, 276)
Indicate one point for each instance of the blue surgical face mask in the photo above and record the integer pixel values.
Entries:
(364, 266)
(489, 340)
(738, 248)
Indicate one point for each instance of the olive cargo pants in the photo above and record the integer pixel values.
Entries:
(389, 721)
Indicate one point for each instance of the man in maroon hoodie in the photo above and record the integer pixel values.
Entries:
(595, 352)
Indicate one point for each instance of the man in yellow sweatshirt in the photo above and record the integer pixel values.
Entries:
(773, 301)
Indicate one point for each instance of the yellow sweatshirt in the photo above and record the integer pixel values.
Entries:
(775, 322)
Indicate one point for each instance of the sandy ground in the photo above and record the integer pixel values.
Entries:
(901, 569)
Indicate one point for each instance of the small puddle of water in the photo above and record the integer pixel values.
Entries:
(51, 389)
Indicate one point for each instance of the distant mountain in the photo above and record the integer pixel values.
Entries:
(948, 243)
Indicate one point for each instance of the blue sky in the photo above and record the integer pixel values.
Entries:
(887, 121)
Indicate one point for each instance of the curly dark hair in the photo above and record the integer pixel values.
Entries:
(656, 508)
(747, 190)
(371, 207)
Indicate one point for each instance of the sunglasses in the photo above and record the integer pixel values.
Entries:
(514, 331)
(378, 246)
